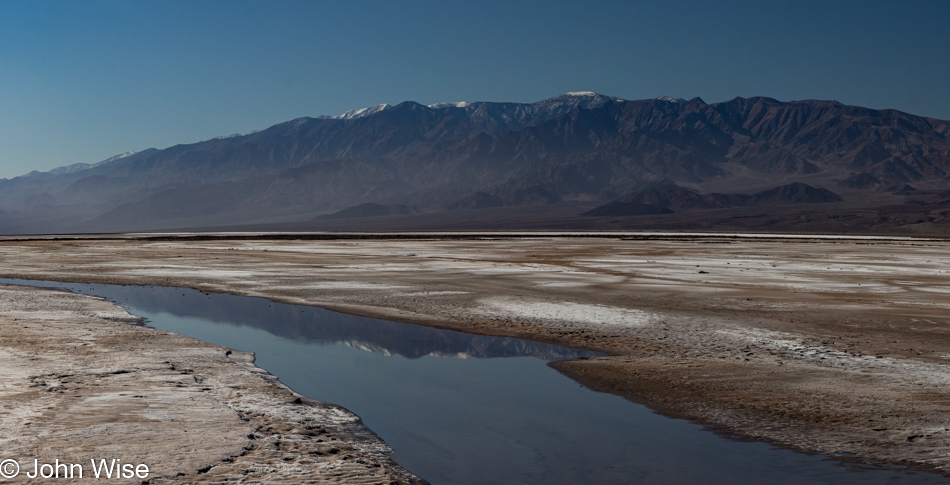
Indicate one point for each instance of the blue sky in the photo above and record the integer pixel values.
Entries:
(81, 81)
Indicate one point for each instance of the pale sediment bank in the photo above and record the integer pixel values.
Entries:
(80, 383)
(827, 345)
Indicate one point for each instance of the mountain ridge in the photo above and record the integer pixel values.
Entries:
(579, 147)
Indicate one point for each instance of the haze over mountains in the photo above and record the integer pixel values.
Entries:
(579, 160)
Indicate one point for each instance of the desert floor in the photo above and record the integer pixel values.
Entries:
(831, 345)
(81, 385)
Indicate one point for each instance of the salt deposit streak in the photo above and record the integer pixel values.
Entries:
(566, 313)
(901, 370)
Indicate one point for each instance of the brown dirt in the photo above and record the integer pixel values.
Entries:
(824, 345)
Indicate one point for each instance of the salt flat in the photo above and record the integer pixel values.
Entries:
(832, 344)
(80, 383)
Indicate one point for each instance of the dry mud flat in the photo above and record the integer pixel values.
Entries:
(80, 383)
(832, 345)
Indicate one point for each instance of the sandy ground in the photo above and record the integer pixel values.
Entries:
(837, 346)
(80, 383)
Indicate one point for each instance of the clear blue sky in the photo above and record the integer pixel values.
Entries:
(81, 81)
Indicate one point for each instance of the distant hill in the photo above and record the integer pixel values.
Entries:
(369, 210)
(579, 149)
(678, 199)
(478, 200)
(794, 193)
(861, 181)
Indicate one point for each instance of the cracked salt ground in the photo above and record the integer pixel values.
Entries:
(484, 420)
(837, 293)
(565, 314)
(778, 344)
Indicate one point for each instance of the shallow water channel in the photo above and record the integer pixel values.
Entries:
(468, 409)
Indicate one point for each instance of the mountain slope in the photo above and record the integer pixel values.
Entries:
(369, 209)
(578, 148)
(677, 199)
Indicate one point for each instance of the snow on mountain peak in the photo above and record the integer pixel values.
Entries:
(671, 99)
(581, 93)
(457, 104)
(78, 167)
(361, 112)
(235, 135)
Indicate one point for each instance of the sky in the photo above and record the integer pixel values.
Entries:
(82, 81)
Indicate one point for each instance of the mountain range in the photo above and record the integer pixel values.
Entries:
(579, 160)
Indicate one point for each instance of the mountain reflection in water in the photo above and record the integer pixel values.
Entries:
(509, 421)
(316, 325)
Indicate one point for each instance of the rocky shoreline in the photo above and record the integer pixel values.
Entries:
(81, 384)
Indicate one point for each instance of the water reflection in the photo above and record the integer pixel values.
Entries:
(316, 325)
(474, 421)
